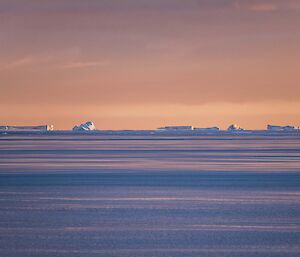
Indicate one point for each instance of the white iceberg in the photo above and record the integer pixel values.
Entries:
(27, 128)
(88, 126)
(176, 128)
(235, 127)
(280, 128)
(211, 129)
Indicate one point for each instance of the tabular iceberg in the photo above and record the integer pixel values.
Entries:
(211, 129)
(27, 128)
(280, 128)
(176, 128)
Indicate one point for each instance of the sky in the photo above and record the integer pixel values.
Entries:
(142, 64)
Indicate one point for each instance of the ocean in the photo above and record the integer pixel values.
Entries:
(152, 196)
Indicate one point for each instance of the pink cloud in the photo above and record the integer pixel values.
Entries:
(267, 5)
(264, 7)
(75, 65)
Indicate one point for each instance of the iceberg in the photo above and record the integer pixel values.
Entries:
(176, 128)
(88, 126)
(27, 128)
(235, 127)
(211, 129)
(280, 128)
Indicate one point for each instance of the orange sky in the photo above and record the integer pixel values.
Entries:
(142, 64)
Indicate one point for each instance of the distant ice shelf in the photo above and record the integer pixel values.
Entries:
(89, 126)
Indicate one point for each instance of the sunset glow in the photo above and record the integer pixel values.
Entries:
(138, 64)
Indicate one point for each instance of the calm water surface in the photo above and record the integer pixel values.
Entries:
(130, 196)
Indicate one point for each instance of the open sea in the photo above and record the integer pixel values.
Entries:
(149, 196)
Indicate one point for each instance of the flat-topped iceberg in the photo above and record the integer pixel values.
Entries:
(211, 129)
(27, 128)
(88, 126)
(280, 128)
(176, 128)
